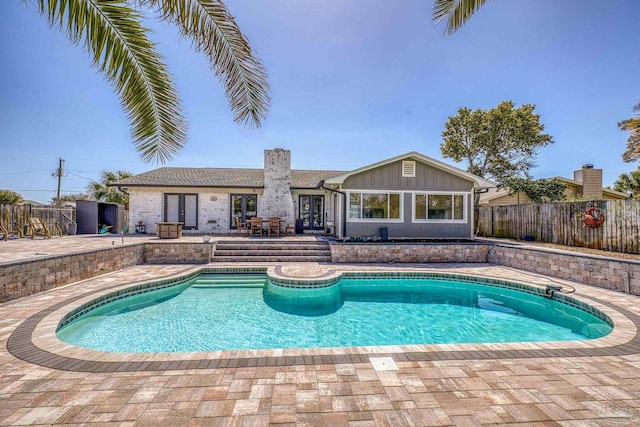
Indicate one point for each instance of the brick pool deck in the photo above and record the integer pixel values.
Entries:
(574, 384)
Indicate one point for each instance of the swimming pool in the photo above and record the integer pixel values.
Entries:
(232, 312)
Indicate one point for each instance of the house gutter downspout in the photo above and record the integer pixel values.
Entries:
(344, 205)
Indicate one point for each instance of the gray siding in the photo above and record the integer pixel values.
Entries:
(389, 177)
(408, 229)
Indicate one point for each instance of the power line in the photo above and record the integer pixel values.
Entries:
(22, 172)
(49, 190)
(79, 176)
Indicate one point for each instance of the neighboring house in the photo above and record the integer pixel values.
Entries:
(413, 195)
(586, 185)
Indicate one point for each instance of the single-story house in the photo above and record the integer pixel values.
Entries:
(412, 195)
(586, 184)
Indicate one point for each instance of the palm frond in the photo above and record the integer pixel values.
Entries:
(214, 32)
(456, 12)
(112, 33)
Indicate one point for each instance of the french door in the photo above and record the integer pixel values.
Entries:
(312, 211)
(243, 206)
(181, 207)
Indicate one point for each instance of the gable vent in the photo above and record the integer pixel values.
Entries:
(408, 169)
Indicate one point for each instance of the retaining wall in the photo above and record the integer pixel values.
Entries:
(177, 253)
(408, 252)
(600, 271)
(22, 278)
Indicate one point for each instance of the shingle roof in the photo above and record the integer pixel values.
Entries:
(220, 177)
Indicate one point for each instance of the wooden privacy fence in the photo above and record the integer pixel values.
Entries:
(17, 216)
(562, 223)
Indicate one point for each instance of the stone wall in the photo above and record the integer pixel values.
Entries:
(177, 253)
(276, 200)
(600, 271)
(409, 252)
(19, 279)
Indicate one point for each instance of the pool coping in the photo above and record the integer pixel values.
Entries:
(34, 339)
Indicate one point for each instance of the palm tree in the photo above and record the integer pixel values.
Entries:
(458, 12)
(101, 191)
(111, 31)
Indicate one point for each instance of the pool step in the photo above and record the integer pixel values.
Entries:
(222, 280)
(271, 251)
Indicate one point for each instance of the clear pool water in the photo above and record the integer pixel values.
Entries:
(216, 312)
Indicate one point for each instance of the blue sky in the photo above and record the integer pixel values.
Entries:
(352, 83)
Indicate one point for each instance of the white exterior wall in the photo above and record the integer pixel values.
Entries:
(147, 205)
(213, 213)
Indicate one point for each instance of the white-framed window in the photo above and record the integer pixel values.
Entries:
(439, 206)
(408, 168)
(374, 206)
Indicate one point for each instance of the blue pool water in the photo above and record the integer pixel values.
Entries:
(221, 312)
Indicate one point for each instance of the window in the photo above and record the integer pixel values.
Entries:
(439, 206)
(408, 169)
(374, 206)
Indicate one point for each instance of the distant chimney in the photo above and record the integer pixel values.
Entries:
(591, 181)
(277, 199)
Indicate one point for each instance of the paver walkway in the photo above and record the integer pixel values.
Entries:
(357, 389)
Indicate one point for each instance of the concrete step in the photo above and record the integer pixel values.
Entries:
(270, 247)
(265, 258)
(264, 241)
(271, 251)
(280, 252)
(269, 244)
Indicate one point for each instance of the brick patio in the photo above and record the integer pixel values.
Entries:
(580, 383)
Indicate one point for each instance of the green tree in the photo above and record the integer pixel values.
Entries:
(112, 33)
(629, 183)
(8, 197)
(70, 197)
(537, 190)
(458, 12)
(101, 191)
(632, 153)
(497, 143)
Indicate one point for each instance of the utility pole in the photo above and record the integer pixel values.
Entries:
(58, 174)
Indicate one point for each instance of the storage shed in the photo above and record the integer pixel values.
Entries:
(92, 217)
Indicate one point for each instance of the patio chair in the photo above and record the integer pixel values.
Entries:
(39, 228)
(273, 226)
(290, 229)
(256, 226)
(241, 226)
(57, 229)
(7, 231)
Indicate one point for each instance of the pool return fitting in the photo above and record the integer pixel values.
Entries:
(551, 290)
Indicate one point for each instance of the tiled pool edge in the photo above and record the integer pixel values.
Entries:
(20, 344)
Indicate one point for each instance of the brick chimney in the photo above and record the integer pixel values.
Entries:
(591, 181)
(277, 200)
